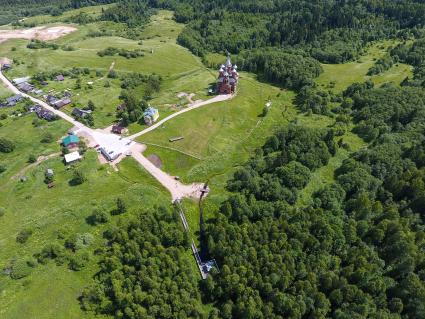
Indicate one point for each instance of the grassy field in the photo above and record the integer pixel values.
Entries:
(223, 135)
(218, 138)
(342, 75)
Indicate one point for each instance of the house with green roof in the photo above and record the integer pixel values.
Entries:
(70, 141)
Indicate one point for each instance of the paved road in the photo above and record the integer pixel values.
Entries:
(124, 145)
(195, 105)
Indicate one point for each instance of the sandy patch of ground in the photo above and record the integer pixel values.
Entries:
(155, 160)
(5, 61)
(41, 33)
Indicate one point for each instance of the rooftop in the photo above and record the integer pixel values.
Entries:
(70, 139)
(72, 157)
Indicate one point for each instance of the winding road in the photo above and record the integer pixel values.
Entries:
(117, 144)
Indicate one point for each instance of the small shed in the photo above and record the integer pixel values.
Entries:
(118, 129)
(70, 141)
(49, 172)
(72, 157)
(60, 78)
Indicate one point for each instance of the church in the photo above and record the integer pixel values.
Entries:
(227, 78)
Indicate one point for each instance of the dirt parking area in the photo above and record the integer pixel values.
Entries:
(41, 33)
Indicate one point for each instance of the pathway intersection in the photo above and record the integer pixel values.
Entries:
(127, 146)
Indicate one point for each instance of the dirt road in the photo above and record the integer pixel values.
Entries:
(40, 159)
(119, 145)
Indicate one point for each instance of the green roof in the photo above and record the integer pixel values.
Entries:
(70, 139)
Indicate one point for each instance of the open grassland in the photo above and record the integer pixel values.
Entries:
(180, 70)
(93, 12)
(339, 76)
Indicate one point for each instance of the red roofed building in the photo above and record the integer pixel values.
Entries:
(227, 78)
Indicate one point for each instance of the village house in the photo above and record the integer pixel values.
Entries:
(25, 87)
(18, 81)
(72, 157)
(118, 129)
(13, 100)
(80, 113)
(227, 78)
(44, 114)
(51, 99)
(61, 103)
(70, 141)
(150, 115)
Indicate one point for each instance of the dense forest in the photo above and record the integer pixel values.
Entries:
(357, 251)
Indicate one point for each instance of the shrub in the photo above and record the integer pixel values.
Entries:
(98, 217)
(78, 177)
(32, 158)
(2, 211)
(78, 261)
(2, 168)
(47, 138)
(23, 236)
(6, 146)
(20, 269)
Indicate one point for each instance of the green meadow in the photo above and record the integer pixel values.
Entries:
(339, 76)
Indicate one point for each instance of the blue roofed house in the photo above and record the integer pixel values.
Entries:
(150, 115)
(70, 141)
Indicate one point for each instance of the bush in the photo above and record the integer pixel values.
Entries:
(47, 138)
(2, 211)
(2, 168)
(78, 177)
(52, 251)
(20, 269)
(6, 146)
(32, 158)
(78, 261)
(23, 236)
(121, 207)
(98, 217)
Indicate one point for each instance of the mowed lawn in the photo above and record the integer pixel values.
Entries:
(222, 135)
